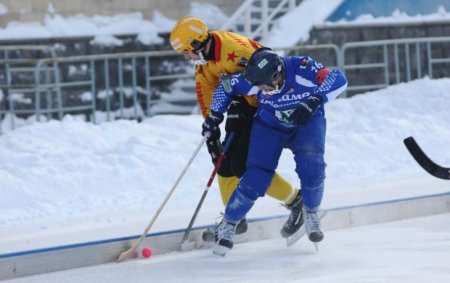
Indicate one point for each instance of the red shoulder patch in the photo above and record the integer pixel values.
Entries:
(322, 74)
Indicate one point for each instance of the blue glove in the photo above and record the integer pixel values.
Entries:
(304, 111)
(210, 127)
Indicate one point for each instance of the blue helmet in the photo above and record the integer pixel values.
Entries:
(264, 67)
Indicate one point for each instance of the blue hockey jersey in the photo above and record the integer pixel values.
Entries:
(301, 81)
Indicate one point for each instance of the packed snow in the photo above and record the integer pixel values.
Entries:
(303, 19)
(105, 28)
(69, 176)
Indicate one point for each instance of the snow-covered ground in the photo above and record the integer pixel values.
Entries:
(70, 177)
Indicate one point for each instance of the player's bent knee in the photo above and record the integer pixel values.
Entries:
(238, 206)
(311, 172)
(255, 182)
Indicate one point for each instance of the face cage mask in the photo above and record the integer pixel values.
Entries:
(276, 90)
(200, 61)
(278, 86)
(197, 45)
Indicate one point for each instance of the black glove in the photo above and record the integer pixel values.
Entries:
(210, 127)
(305, 110)
(213, 149)
(238, 115)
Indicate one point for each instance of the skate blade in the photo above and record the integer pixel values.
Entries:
(295, 237)
(302, 232)
(220, 250)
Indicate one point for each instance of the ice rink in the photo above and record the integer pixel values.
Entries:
(415, 250)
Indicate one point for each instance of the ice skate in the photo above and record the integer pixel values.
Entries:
(312, 225)
(210, 234)
(295, 220)
(225, 233)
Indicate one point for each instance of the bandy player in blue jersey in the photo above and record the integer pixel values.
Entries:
(291, 93)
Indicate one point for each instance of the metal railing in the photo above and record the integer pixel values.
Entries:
(115, 85)
(143, 98)
(387, 62)
(127, 85)
(13, 62)
(99, 80)
(329, 53)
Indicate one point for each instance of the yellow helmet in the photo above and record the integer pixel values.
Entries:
(189, 34)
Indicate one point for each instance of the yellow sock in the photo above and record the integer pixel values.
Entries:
(281, 190)
(226, 187)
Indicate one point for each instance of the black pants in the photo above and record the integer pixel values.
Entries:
(239, 120)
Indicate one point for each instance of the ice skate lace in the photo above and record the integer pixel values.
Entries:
(312, 221)
(226, 230)
(213, 229)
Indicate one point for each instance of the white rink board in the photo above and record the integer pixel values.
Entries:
(51, 259)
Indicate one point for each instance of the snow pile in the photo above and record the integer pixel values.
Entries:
(70, 171)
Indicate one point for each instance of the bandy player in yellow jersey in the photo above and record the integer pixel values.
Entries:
(219, 53)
